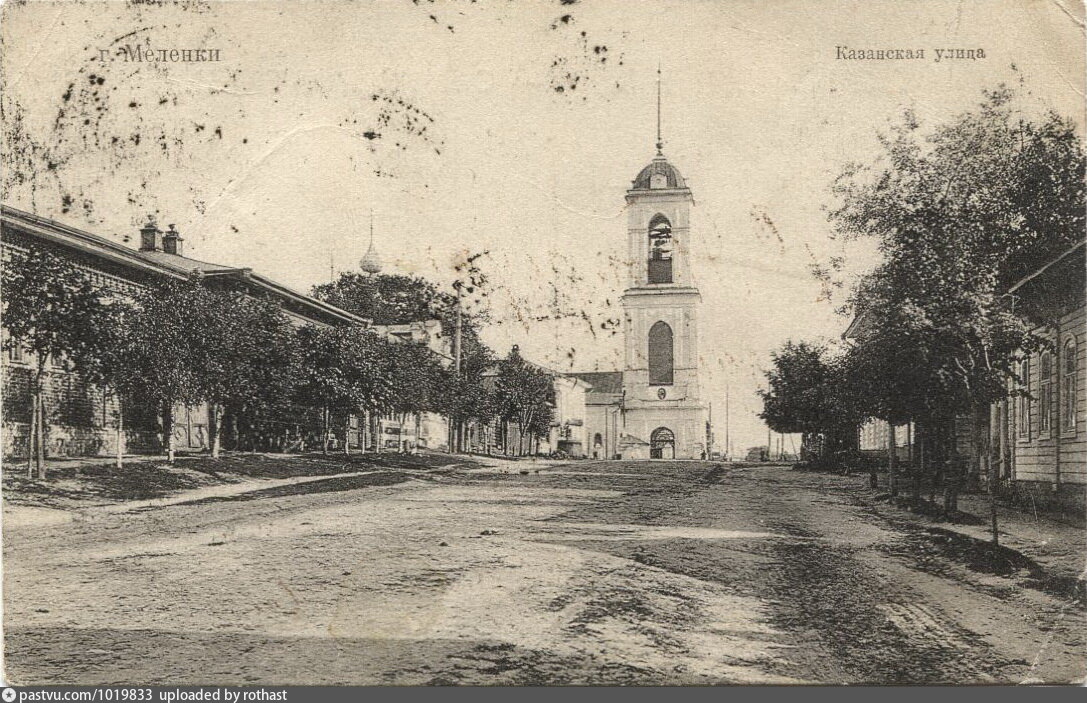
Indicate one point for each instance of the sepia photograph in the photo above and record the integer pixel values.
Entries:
(452, 343)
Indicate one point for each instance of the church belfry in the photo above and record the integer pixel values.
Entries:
(663, 413)
(652, 408)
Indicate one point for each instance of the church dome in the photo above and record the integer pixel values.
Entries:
(668, 175)
(371, 262)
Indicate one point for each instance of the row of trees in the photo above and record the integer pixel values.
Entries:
(481, 387)
(959, 213)
(184, 343)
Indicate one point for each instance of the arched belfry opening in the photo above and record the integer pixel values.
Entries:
(661, 366)
(661, 247)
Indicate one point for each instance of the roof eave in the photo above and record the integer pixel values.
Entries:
(85, 242)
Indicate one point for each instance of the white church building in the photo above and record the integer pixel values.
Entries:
(652, 408)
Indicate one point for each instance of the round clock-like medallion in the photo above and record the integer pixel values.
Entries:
(661, 393)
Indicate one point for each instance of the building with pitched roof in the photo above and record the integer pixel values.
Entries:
(84, 415)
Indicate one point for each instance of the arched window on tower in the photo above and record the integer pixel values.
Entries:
(660, 250)
(660, 355)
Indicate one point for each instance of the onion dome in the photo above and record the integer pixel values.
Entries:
(371, 262)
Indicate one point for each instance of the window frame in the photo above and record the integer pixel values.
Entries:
(16, 354)
(1046, 399)
(1022, 408)
(1069, 375)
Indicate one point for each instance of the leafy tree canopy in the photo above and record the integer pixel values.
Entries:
(959, 213)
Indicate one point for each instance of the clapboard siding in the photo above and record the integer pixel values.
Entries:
(1036, 454)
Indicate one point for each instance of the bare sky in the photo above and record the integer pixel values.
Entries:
(445, 118)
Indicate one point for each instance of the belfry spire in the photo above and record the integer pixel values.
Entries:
(660, 142)
(371, 262)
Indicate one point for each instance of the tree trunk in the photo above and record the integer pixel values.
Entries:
(892, 460)
(35, 449)
(326, 418)
(922, 462)
(120, 433)
(935, 453)
(31, 434)
(216, 417)
(40, 453)
(347, 434)
(991, 479)
(168, 431)
(951, 469)
(983, 449)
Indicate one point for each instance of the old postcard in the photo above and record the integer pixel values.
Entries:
(565, 342)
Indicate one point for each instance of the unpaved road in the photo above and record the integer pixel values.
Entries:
(598, 573)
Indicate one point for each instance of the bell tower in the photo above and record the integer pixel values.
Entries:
(663, 413)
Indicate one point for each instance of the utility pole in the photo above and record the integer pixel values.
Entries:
(458, 439)
(728, 442)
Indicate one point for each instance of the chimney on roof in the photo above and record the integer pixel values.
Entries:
(172, 241)
(150, 236)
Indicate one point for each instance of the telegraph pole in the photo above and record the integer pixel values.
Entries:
(728, 443)
(457, 439)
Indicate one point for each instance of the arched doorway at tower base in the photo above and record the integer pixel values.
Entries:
(662, 444)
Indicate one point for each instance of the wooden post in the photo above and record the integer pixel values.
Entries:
(120, 433)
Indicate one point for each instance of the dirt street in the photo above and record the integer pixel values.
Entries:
(580, 573)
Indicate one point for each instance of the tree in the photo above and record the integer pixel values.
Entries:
(808, 394)
(466, 396)
(109, 368)
(959, 214)
(390, 299)
(249, 366)
(397, 299)
(342, 370)
(167, 338)
(416, 378)
(53, 312)
(525, 394)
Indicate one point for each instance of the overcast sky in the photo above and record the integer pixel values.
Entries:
(447, 120)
